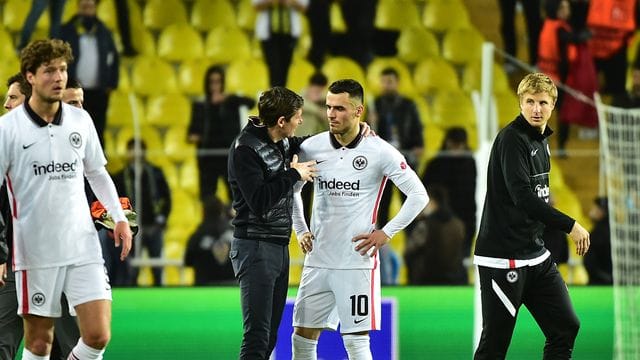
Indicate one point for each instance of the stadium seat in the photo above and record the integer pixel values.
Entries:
(144, 42)
(188, 211)
(15, 13)
(472, 78)
(246, 17)
(453, 108)
(303, 45)
(122, 107)
(396, 14)
(191, 76)
(336, 19)
(417, 43)
(152, 76)
(188, 177)
(435, 74)
(462, 46)
(124, 83)
(208, 14)
(151, 138)
(106, 12)
(166, 110)
(7, 48)
(180, 42)
(247, 77)
(176, 147)
(226, 44)
(158, 14)
(170, 172)
(424, 109)
(343, 68)
(405, 85)
(506, 108)
(442, 15)
(299, 73)
(70, 9)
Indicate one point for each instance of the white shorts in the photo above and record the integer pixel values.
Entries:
(327, 297)
(39, 290)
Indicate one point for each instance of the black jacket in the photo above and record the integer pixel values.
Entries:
(108, 61)
(516, 206)
(262, 185)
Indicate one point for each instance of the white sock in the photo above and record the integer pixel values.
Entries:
(83, 351)
(28, 355)
(303, 348)
(357, 347)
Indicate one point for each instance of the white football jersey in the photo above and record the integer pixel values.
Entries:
(44, 165)
(347, 193)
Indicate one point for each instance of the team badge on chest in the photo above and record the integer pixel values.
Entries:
(360, 162)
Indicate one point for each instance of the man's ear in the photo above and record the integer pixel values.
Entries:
(281, 121)
(29, 77)
(359, 110)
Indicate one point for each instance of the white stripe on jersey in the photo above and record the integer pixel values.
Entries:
(347, 192)
(44, 167)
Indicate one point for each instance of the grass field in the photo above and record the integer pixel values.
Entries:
(434, 323)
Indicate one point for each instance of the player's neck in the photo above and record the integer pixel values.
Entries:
(346, 138)
(45, 109)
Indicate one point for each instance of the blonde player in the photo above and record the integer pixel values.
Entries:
(341, 277)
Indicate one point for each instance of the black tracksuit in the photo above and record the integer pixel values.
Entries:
(262, 187)
(514, 266)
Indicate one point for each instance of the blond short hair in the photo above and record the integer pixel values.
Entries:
(536, 83)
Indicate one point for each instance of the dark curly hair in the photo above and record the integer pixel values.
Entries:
(276, 102)
(40, 52)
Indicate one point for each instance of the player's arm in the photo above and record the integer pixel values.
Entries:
(104, 189)
(303, 235)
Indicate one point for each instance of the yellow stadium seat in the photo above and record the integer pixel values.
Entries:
(417, 43)
(167, 110)
(343, 68)
(208, 14)
(70, 9)
(158, 14)
(187, 212)
(472, 78)
(106, 12)
(247, 77)
(180, 42)
(7, 48)
(189, 177)
(144, 42)
(453, 108)
(337, 20)
(424, 109)
(176, 147)
(405, 84)
(442, 15)
(191, 76)
(152, 76)
(462, 46)
(433, 75)
(151, 138)
(302, 46)
(15, 13)
(396, 14)
(299, 73)
(226, 44)
(124, 109)
(246, 17)
(124, 83)
(506, 107)
(170, 172)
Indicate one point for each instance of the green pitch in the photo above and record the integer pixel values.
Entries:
(434, 323)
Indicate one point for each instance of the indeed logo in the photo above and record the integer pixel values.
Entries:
(334, 184)
(543, 192)
(54, 167)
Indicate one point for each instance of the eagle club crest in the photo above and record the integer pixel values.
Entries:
(512, 276)
(360, 162)
(75, 140)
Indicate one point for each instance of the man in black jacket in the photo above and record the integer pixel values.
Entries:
(262, 172)
(514, 266)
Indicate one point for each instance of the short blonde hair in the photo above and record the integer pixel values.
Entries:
(536, 83)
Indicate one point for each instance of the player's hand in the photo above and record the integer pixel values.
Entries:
(3, 274)
(307, 170)
(122, 235)
(306, 242)
(366, 130)
(376, 239)
(580, 237)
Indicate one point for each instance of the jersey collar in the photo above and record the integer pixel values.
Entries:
(57, 118)
(351, 145)
(522, 123)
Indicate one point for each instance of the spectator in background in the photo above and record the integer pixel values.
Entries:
(208, 248)
(278, 27)
(433, 251)
(124, 27)
(73, 94)
(97, 61)
(18, 89)
(454, 168)
(598, 262)
(153, 204)
(508, 30)
(630, 99)
(359, 17)
(320, 28)
(556, 241)
(215, 122)
(395, 118)
(56, 9)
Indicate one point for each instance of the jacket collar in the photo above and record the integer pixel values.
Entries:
(523, 124)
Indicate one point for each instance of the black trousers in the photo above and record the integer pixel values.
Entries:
(262, 270)
(278, 52)
(543, 291)
(534, 25)
(96, 102)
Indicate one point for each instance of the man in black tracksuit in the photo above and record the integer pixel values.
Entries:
(514, 266)
(262, 172)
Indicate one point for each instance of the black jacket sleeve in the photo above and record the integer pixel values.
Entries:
(259, 193)
(515, 171)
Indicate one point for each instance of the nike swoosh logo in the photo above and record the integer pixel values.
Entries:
(320, 161)
(534, 152)
(355, 321)
(25, 147)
